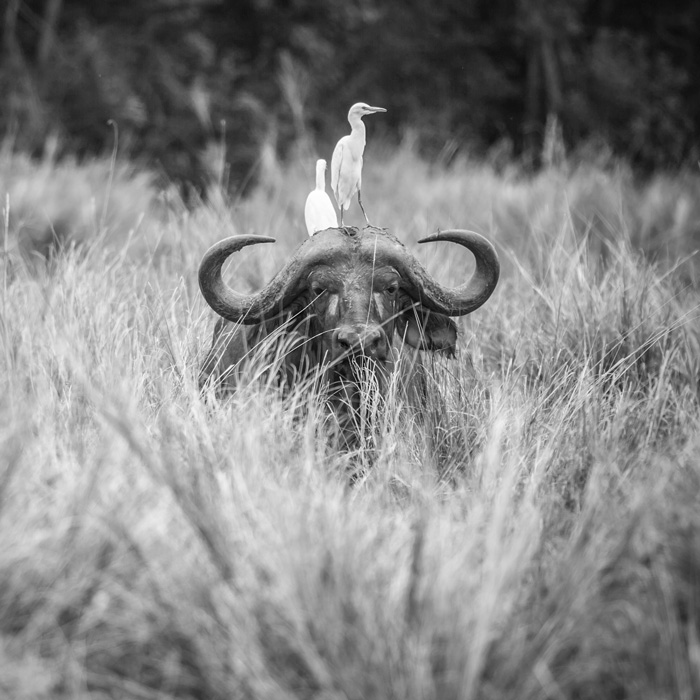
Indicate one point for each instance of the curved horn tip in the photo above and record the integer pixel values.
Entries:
(259, 239)
(441, 234)
(250, 239)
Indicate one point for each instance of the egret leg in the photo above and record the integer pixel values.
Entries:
(342, 211)
(359, 199)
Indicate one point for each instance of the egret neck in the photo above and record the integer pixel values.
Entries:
(358, 135)
(321, 175)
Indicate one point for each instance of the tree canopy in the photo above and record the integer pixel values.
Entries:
(456, 73)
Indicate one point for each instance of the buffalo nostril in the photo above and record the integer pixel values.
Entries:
(375, 345)
(370, 342)
(346, 339)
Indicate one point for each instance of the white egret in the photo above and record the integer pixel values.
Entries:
(319, 213)
(346, 164)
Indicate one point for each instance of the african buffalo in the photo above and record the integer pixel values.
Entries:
(349, 299)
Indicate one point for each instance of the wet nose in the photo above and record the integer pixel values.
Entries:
(367, 341)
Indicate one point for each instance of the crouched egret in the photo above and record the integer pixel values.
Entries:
(346, 164)
(319, 213)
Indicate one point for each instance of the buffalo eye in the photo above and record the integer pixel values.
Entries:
(392, 288)
(317, 289)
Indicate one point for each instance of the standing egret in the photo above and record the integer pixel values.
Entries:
(346, 164)
(319, 213)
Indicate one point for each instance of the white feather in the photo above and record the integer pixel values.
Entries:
(346, 163)
(319, 213)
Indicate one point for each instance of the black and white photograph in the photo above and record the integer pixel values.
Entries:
(349, 350)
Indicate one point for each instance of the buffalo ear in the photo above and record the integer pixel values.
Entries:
(425, 330)
(295, 311)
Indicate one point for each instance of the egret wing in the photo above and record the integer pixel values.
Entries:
(339, 154)
(319, 213)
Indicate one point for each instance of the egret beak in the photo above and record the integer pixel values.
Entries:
(372, 110)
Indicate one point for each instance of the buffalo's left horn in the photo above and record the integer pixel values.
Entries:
(233, 306)
(468, 296)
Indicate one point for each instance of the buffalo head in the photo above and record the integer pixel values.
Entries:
(347, 296)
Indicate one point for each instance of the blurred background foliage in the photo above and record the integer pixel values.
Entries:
(201, 90)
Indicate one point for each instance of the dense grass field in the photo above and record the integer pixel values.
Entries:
(535, 533)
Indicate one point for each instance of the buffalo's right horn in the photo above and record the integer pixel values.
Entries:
(468, 296)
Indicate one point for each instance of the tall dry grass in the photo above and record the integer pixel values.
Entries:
(533, 533)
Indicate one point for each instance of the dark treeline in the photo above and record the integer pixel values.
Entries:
(482, 74)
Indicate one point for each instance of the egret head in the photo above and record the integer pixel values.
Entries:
(359, 109)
